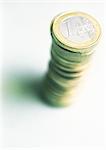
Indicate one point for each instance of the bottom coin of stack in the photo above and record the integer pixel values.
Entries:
(73, 37)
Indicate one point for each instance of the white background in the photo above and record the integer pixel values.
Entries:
(27, 121)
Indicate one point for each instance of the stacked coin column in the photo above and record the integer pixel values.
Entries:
(74, 34)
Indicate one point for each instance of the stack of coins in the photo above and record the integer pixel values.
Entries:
(74, 35)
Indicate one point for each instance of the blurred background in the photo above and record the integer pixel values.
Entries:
(26, 120)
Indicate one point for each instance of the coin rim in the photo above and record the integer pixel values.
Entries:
(67, 43)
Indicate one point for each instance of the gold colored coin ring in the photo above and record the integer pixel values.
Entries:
(63, 42)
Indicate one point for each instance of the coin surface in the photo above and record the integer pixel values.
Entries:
(76, 30)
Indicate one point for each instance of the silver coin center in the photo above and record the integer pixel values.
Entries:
(77, 29)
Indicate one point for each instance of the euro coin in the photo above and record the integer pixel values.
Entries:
(74, 37)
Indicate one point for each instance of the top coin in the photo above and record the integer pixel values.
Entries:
(75, 30)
